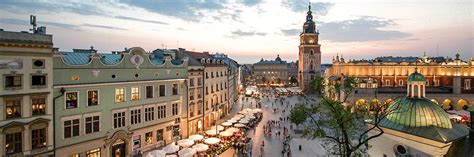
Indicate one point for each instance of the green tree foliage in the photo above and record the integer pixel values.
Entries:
(298, 114)
(293, 80)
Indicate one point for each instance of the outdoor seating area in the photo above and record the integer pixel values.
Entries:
(214, 141)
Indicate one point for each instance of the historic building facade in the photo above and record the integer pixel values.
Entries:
(118, 104)
(232, 79)
(271, 71)
(382, 79)
(215, 87)
(26, 71)
(309, 60)
(415, 125)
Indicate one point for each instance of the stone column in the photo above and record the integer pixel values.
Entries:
(26, 138)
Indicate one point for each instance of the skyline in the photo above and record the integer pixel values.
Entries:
(244, 28)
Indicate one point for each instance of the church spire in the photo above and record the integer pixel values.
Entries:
(309, 26)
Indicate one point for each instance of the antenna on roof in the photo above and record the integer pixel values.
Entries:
(33, 22)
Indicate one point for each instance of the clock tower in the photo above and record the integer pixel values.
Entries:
(309, 63)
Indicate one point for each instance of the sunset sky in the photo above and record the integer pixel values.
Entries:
(248, 30)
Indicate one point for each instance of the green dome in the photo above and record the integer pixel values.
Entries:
(416, 77)
(422, 117)
(415, 112)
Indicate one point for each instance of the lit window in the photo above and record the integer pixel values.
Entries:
(92, 98)
(71, 100)
(159, 135)
(467, 84)
(93, 153)
(119, 94)
(38, 106)
(149, 137)
(13, 108)
(135, 93)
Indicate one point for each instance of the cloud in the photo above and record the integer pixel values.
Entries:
(183, 9)
(104, 27)
(250, 2)
(318, 8)
(29, 6)
(140, 20)
(40, 23)
(291, 32)
(366, 28)
(240, 33)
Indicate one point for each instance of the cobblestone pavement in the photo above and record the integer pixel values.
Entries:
(274, 145)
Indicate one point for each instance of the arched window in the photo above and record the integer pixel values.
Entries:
(311, 52)
(311, 64)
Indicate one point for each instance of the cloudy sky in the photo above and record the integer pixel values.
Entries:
(248, 30)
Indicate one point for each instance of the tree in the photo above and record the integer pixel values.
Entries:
(343, 128)
(317, 85)
(298, 114)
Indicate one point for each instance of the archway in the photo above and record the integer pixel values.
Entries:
(461, 105)
(447, 104)
(435, 101)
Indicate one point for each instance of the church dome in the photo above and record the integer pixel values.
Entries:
(416, 77)
(417, 112)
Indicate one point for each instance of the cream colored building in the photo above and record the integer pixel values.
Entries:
(384, 78)
(214, 86)
(271, 71)
(26, 99)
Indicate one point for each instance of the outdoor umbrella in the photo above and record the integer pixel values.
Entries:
(219, 127)
(226, 124)
(243, 121)
(232, 130)
(226, 133)
(171, 148)
(196, 137)
(200, 147)
(212, 140)
(249, 117)
(238, 116)
(239, 125)
(172, 155)
(185, 142)
(257, 110)
(212, 132)
(232, 121)
(187, 152)
(243, 112)
(157, 153)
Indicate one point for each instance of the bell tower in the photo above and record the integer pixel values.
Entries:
(309, 60)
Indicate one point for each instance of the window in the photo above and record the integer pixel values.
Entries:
(12, 81)
(149, 137)
(119, 94)
(38, 138)
(400, 82)
(207, 92)
(71, 100)
(162, 90)
(119, 119)
(191, 94)
(467, 84)
(159, 135)
(71, 128)
(13, 108)
(199, 95)
(207, 76)
(225, 85)
(13, 143)
(436, 82)
(38, 106)
(135, 93)
(175, 109)
(217, 87)
(387, 82)
(149, 92)
(199, 108)
(207, 105)
(93, 153)
(199, 81)
(221, 86)
(175, 89)
(212, 74)
(38, 80)
(92, 124)
(191, 110)
(161, 111)
(191, 82)
(75, 155)
(136, 116)
(149, 114)
(212, 89)
(92, 98)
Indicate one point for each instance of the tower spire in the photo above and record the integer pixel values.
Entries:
(309, 6)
